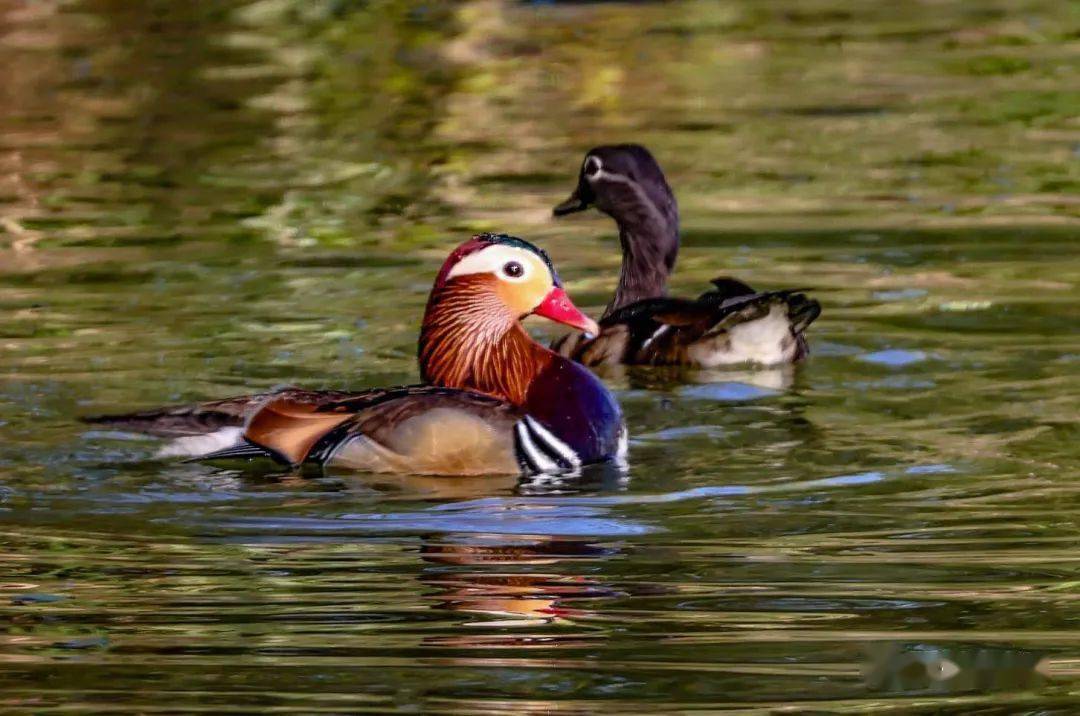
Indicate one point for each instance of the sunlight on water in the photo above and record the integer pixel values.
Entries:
(206, 199)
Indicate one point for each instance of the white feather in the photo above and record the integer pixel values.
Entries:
(493, 258)
(197, 445)
(765, 341)
(546, 435)
(623, 448)
(536, 455)
(656, 334)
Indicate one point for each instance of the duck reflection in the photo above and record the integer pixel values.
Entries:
(410, 487)
(766, 380)
(508, 586)
(601, 476)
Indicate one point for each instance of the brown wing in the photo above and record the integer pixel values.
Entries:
(290, 425)
(417, 429)
(566, 344)
(608, 348)
(674, 331)
(625, 332)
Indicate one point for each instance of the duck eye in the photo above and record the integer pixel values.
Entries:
(513, 269)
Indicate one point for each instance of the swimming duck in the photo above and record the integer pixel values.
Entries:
(728, 325)
(493, 400)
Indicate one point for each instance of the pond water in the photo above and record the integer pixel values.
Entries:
(205, 199)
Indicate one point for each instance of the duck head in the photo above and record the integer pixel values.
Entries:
(625, 182)
(616, 178)
(472, 336)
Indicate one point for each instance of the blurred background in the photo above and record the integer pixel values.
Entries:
(203, 199)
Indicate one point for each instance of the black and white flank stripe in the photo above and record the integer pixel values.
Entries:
(537, 450)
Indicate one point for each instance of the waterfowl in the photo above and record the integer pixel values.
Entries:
(729, 325)
(493, 401)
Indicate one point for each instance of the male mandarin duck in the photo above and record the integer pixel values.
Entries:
(493, 400)
(729, 325)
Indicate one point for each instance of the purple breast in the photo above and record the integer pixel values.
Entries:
(573, 404)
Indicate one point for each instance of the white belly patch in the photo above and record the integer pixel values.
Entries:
(765, 341)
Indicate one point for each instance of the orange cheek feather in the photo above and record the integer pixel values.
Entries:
(522, 298)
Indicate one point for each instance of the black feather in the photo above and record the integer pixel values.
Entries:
(727, 287)
(243, 450)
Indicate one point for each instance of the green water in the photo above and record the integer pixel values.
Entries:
(204, 199)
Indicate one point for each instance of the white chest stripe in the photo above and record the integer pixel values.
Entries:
(538, 450)
(556, 446)
(533, 457)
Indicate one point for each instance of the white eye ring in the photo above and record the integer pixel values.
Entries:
(514, 271)
(593, 167)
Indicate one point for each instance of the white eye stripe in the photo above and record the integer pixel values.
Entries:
(494, 259)
(598, 172)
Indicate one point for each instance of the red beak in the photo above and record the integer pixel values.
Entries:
(558, 307)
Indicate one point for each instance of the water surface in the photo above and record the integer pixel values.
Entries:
(203, 199)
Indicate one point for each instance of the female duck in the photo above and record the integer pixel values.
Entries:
(731, 324)
(494, 401)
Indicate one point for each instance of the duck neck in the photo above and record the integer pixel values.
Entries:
(650, 245)
(474, 343)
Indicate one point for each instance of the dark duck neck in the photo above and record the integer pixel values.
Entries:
(649, 234)
(469, 342)
(649, 252)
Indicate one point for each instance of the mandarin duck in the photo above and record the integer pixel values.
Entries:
(493, 401)
(729, 325)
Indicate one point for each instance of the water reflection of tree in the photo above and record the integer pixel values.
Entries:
(304, 119)
(352, 149)
(29, 57)
(119, 121)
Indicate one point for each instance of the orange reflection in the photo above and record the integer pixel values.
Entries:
(513, 598)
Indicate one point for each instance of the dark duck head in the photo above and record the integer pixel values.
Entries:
(472, 339)
(625, 182)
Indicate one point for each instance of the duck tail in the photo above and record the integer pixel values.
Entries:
(802, 311)
(727, 287)
(180, 420)
(731, 292)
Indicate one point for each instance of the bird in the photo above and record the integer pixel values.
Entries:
(492, 400)
(729, 325)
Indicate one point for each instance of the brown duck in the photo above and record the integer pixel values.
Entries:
(729, 325)
(493, 400)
